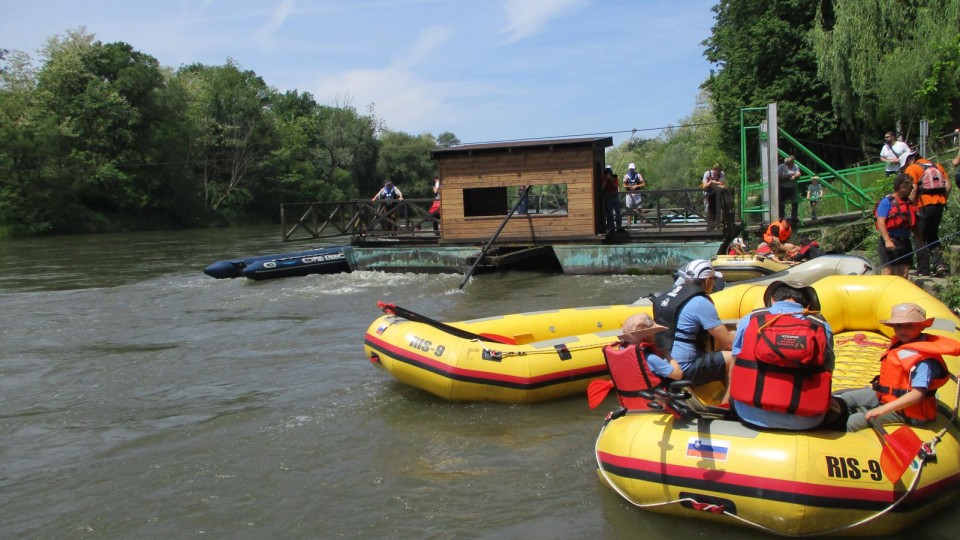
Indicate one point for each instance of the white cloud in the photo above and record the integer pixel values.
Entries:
(527, 17)
(400, 95)
(277, 18)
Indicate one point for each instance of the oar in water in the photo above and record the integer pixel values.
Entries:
(899, 448)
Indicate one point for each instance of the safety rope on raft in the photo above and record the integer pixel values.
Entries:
(861, 339)
(561, 349)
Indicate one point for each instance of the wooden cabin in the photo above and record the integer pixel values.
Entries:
(481, 183)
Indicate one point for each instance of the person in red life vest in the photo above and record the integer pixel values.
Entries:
(896, 218)
(932, 191)
(808, 249)
(911, 371)
(737, 247)
(781, 377)
(636, 363)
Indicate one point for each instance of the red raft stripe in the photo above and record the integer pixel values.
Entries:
(760, 482)
(486, 375)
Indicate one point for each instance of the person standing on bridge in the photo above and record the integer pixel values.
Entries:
(713, 184)
(633, 182)
(387, 195)
(787, 175)
(611, 201)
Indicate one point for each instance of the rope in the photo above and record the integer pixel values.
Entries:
(861, 339)
(938, 241)
(507, 354)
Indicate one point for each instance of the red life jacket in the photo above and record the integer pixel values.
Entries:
(780, 365)
(897, 364)
(903, 214)
(630, 372)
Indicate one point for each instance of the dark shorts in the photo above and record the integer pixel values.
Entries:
(706, 368)
(900, 255)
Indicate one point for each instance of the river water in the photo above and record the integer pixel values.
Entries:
(140, 398)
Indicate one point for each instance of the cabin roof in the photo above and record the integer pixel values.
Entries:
(511, 146)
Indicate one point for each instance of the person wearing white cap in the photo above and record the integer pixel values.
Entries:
(911, 371)
(693, 319)
(633, 182)
(932, 189)
(782, 374)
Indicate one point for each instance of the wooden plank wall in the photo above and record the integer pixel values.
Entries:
(573, 167)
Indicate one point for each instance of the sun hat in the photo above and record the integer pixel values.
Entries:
(632, 166)
(907, 314)
(811, 299)
(639, 326)
(906, 155)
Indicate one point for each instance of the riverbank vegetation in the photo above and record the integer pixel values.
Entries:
(100, 137)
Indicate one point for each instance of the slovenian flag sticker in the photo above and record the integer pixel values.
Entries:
(708, 449)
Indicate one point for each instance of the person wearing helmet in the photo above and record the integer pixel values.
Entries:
(633, 182)
(693, 319)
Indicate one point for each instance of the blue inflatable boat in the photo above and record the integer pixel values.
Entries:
(331, 260)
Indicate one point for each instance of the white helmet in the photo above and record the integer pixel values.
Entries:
(632, 166)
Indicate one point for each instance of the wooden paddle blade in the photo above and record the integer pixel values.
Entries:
(597, 391)
(899, 450)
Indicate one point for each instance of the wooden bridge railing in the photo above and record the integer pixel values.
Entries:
(410, 219)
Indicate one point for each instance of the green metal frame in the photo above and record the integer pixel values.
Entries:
(843, 184)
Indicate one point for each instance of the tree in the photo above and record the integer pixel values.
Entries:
(763, 55)
(233, 131)
(890, 64)
(447, 139)
(405, 160)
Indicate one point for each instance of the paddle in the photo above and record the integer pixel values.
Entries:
(452, 330)
(483, 252)
(597, 391)
(899, 448)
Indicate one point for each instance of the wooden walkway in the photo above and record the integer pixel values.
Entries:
(667, 216)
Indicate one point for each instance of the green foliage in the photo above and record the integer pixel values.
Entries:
(678, 158)
(949, 292)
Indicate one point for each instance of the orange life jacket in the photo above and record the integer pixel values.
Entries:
(783, 235)
(780, 367)
(630, 372)
(898, 362)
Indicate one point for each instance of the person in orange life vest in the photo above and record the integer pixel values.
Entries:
(896, 218)
(911, 371)
(636, 363)
(930, 195)
(776, 236)
(784, 359)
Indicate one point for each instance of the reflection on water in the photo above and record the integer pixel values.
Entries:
(141, 398)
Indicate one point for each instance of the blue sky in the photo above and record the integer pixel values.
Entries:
(484, 70)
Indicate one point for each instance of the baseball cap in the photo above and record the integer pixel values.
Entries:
(697, 269)
(632, 166)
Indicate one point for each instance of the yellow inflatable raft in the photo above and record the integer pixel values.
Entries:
(537, 356)
(795, 483)
(741, 267)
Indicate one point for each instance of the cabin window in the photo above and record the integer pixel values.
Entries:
(548, 199)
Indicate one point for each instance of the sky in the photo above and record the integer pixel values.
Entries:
(485, 70)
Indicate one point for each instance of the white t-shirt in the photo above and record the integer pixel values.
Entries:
(895, 150)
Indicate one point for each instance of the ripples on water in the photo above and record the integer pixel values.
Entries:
(141, 398)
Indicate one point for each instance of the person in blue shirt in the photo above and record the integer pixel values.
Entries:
(896, 218)
(689, 312)
(801, 302)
